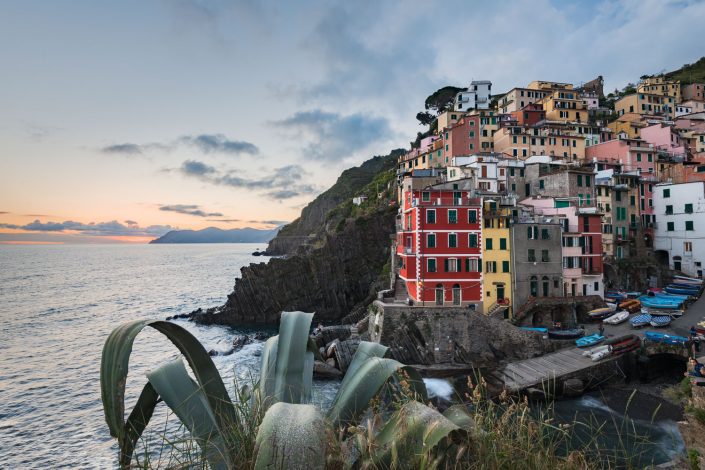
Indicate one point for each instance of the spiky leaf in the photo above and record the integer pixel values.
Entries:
(291, 436)
(365, 383)
(113, 377)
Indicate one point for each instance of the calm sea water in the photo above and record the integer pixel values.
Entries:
(57, 306)
(59, 303)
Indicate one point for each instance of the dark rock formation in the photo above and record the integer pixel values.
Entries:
(452, 336)
(332, 279)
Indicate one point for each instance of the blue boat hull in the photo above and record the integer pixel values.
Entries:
(589, 341)
(680, 290)
(664, 338)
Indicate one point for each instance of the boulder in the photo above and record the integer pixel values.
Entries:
(324, 371)
(573, 388)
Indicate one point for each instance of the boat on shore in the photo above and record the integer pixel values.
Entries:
(589, 341)
(631, 305)
(693, 280)
(600, 313)
(625, 344)
(660, 302)
(672, 312)
(660, 321)
(617, 318)
(536, 329)
(591, 351)
(693, 292)
(640, 320)
(568, 333)
(658, 337)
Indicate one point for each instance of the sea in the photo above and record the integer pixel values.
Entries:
(58, 304)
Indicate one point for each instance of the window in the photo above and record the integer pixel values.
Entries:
(452, 240)
(532, 232)
(618, 196)
(531, 255)
(425, 196)
(669, 209)
(544, 256)
(670, 227)
(431, 216)
(472, 265)
(430, 240)
(472, 240)
(689, 225)
(505, 266)
(472, 216)
(453, 265)
(666, 193)
(689, 208)
(488, 243)
(502, 243)
(491, 267)
(632, 201)
(431, 265)
(687, 246)
(452, 216)
(638, 157)
(580, 180)
(587, 180)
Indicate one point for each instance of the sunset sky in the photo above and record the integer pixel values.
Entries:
(121, 120)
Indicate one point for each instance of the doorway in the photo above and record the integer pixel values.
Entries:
(439, 294)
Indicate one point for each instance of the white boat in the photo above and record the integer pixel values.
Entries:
(611, 305)
(601, 354)
(594, 350)
(686, 279)
(617, 318)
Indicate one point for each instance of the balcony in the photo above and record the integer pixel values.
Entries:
(448, 201)
(591, 271)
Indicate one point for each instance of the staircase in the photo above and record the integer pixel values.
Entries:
(497, 309)
(400, 293)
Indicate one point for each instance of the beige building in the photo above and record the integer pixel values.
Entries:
(517, 98)
(693, 91)
(660, 86)
(644, 103)
(564, 105)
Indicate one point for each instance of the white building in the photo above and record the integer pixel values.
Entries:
(477, 96)
(680, 225)
(590, 100)
(682, 110)
(484, 168)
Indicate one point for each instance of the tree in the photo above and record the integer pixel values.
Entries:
(442, 99)
(425, 118)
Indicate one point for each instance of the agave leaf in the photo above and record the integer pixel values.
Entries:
(364, 384)
(412, 431)
(365, 350)
(113, 376)
(459, 415)
(291, 436)
(187, 400)
(286, 373)
(138, 420)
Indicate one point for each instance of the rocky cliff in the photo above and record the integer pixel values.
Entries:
(315, 216)
(334, 255)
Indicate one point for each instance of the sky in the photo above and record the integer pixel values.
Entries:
(122, 120)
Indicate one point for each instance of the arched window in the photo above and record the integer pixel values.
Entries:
(534, 284)
(545, 286)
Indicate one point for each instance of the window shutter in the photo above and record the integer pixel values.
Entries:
(459, 265)
(445, 265)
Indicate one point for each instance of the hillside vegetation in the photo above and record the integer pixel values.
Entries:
(689, 73)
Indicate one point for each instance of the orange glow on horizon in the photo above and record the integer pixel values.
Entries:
(20, 242)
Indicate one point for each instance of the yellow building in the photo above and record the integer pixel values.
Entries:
(645, 103)
(496, 256)
(629, 123)
(660, 86)
(564, 105)
(546, 85)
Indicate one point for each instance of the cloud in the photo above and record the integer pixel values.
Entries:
(269, 222)
(332, 136)
(4, 212)
(206, 143)
(112, 228)
(209, 143)
(226, 221)
(124, 149)
(282, 183)
(189, 209)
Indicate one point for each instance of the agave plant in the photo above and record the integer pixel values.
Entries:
(292, 432)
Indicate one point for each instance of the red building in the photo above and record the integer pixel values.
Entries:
(462, 138)
(438, 242)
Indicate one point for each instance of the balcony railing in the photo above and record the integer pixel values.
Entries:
(447, 201)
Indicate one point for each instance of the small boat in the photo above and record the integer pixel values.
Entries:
(660, 302)
(666, 295)
(589, 340)
(654, 290)
(569, 333)
(631, 305)
(632, 295)
(590, 352)
(617, 318)
(682, 290)
(601, 354)
(660, 320)
(535, 329)
(673, 313)
(611, 305)
(657, 337)
(616, 296)
(693, 280)
(600, 312)
(640, 320)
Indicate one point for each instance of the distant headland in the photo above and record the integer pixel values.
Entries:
(216, 235)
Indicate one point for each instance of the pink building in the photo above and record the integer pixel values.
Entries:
(665, 138)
